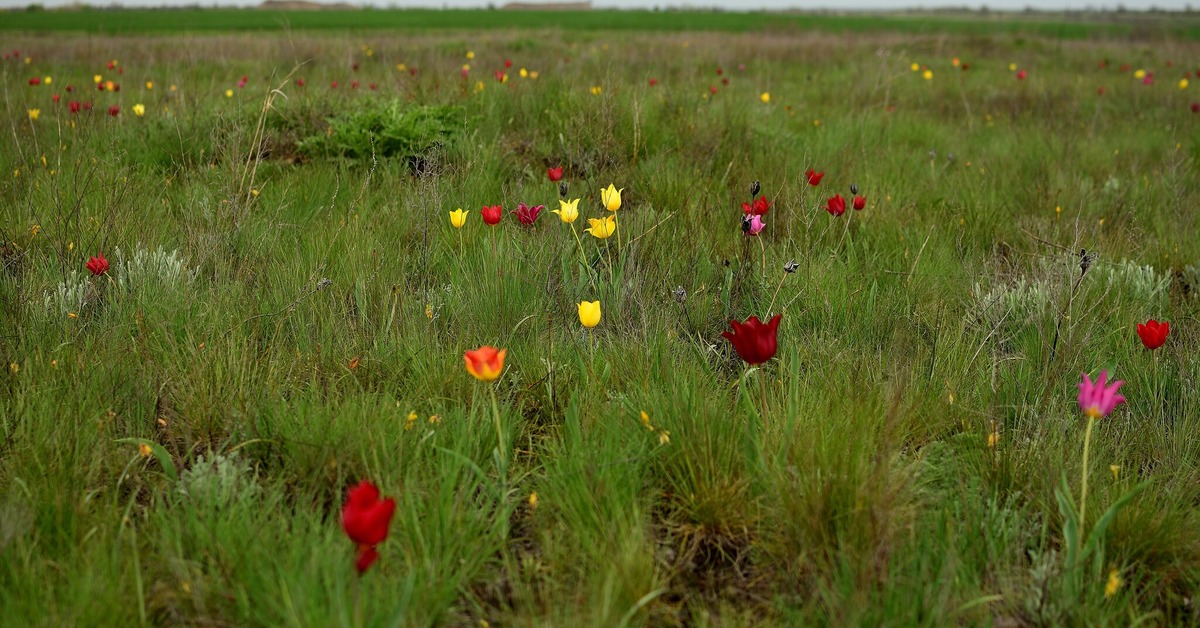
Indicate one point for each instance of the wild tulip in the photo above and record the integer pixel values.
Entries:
(458, 218)
(589, 313)
(97, 265)
(836, 206)
(139, 110)
(55, 98)
(653, 82)
(1098, 399)
(300, 82)
(814, 177)
(492, 215)
(365, 519)
(554, 173)
(37, 80)
(528, 215)
(568, 211)
(761, 206)
(1021, 75)
(485, 363)
(73, 106)
(611, 197)
(114, 111)
(859, 202)
(754, 342)
(602, 228)
(1153, 333)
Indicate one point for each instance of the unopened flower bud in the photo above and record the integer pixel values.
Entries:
(680, 294)
(562, 189)
(791, 266)
(755, 188)
(854, 188)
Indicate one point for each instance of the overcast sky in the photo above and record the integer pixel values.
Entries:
(744, 5)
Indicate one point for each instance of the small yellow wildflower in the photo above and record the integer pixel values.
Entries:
(533, 500)
(1116, 471)
(928, 74)
(145, 450)
(916, 67)
(765, 97)
(524, 73)
(229, 93)
(48, 80)
(410, 421)
(400, 67)
(1012, 67)
(1114, 583)
(14, 367)
(435, 419)
(596, 90)
(993, 439)
(470, 54)
(1140, 74)
(33, 231)
(149, 84)
(646, 421)
(96, 78)
(533, 74)
(139, 110)
(1183, 83)
(34, 113)
(664, 437)
(479, 86)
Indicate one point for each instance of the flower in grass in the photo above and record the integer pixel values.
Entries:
(597, 90)
(485, 363)
(589, 313)
(927, 75)
(114, 110)
(836, 206)
(1098, 399)
(1114, 583)
(34, 114)
(646, 421)
(96, 78)
(410, 421)
(554, 174)
(533, 500)
(610, 197)
(602, 227)
(229, 92)
(528, 215)
(760, 207)
(1139, 74)
(653, 82)
(664, 437)
(492, 214)
(752, 224)
(458, 218)
(470, 54)
(149, 85)
(1183, 83)
(1021, 74)
(97, 265)
(859, 202)
(754, 342)
(1153, 333)
(365, 519)
(765, 97)
(354, 362)
(568, 211)
(1196, 107)
(139, 110)
(145, 450)
(814, 177)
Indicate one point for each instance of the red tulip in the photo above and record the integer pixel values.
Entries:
(300, 82)
(97, 265)
(725, 81)
(114, 111)
(860, 202)
(412, 71)
(55, 98)
(365, 518)
(554, 173)
(112, 64)
(35, 81)
(499, 76)
(333, 85)
(836, 206)
(492, 215)
(1196, 107)
(720, 71)
(373, 86)
(1100, 90)
(353, 67)
(354, 84)
(70, 89)
(99, 87)
(759, 208)
(754, 342)
(507, 63)
(87, 106)
(965, 67)
(526, 214)
(73, 106)
(713, 90)
(1153, 333)
(653, 82)
(1021, 74)
(814, 177)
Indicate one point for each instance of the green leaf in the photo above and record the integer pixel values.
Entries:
(164, 459)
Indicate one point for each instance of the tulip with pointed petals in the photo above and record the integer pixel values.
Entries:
(611, 197)
(1153, 333)
(589, 313)
(97, 265)
(485, 363)
(602, 227)
(554, 173)
(754, 342)
(814, 177)
(760, 207)
(1098, 399)
(492, 215)
(528, 215)
(836, 206)
(458, 218)
(365, 519)
(568, 211)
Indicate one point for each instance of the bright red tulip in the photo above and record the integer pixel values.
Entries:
(55, 98)
(554, 173)
(814, 177)
(1021, 74)
(713, 90)
(114, 111)
(836, 206)
(860, 202)
(333, 85)
(760, 207)
(1153, 333)
(507, 63)
(300, 82)
(492, 215)
(366, 518)
(754, 342)
(526, 214)
(97, 265)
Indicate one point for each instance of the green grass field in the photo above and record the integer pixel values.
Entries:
(287, 307)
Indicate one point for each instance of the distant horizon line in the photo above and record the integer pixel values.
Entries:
(981, 7)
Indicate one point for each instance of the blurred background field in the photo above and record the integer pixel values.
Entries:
(288, 306)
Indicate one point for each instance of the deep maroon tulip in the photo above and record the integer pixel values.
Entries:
(73, 106)
(754, 342)
(114, 111)
(526, 214)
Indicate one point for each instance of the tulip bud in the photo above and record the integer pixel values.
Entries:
(562, 189)
(746, 224)
(680, 294)
(754, 189)
(1085, 260)
(324, 283)
(854, 188)
(790, 266)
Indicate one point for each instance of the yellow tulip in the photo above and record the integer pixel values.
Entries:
(611, 198)
(928, 74)
(149, 84)
(96, 78)
(1140, 74)
(589, 313)
(916, 67)
(139, 110)
(229, 93)
(568, 211)
(458, 218)
(48, 80)
(765, 97)
(34, 113)
(602, 227)
(524, 73)
(1183, 83)
(1012, 67)
(470, 54)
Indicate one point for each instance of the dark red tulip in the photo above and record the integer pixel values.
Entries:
(554, 173)
(354, 84)
(116, 87)
(713, 90)
(492, 215)
(112, 64)
(70, 88)
(760, 207)
(373, 86)
(353, 67)
(412, 71)
(300, 82)
(965, 67)
(99, 87)
(1021, 74)
(814, 177)
(860, 202)
(366, 518)
(526, 214)
(725, 81)
(87, 106)
(333, 85)
(55, 98)
(97, 265)
(499, 76)
(1100, 90)
(1196, 107)
(836, 206)
(1153, 333)
(754, 342)
(35, 80)
(73, 106)
(507, 63)
(114, 111)
(1125, 67)
(653, 82)
(720, 71)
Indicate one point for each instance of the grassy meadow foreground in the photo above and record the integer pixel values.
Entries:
(284, 307)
